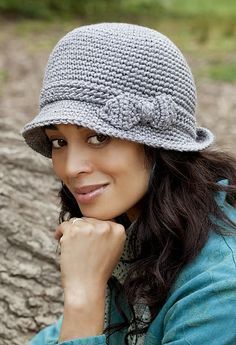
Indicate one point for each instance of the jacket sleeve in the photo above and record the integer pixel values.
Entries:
(50, 334)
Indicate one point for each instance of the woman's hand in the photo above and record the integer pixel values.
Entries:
(90, 250)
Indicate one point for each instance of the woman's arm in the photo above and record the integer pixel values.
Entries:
(90, 250)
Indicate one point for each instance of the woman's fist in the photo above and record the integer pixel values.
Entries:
(90, 250)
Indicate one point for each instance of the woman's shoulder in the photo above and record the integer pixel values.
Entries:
(201, 307)
(217, 256)
(217, 259)
(226, 208)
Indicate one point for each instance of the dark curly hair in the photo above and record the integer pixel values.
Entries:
(173, 226)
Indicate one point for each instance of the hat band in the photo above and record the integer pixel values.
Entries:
(122, 110)
(83, 92)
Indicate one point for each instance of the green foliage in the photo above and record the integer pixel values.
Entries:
(25, 8)
(47, 9)
(201, 8)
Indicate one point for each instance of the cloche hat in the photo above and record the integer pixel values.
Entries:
(121, 80)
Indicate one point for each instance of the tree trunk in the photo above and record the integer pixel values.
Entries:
(30, 297)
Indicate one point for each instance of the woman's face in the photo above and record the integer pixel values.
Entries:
(107, 176)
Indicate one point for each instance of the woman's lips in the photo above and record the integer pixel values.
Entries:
(89, 193)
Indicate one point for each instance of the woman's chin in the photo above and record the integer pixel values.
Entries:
(99, 215)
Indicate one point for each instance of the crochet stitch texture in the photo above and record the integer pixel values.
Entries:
(122, 80)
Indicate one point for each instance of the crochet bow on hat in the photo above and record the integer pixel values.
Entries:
(124, 111)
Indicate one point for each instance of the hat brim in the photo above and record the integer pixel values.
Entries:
(88, 115)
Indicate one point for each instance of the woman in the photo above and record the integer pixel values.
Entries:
(147, 224)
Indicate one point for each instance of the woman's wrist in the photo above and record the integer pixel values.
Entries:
(84, 311)
(79, 296)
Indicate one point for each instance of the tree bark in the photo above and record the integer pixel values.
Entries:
(31, 296)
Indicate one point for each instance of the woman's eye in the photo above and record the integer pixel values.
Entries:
(58, 143)
(98, 139)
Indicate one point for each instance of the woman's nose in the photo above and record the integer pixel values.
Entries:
(77, 163)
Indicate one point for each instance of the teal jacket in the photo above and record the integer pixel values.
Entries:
(201, 308)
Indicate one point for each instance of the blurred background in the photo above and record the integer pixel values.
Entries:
(205, 31)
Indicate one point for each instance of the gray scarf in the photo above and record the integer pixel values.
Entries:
(141, 310)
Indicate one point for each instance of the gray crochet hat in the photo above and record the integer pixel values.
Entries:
(122, 80)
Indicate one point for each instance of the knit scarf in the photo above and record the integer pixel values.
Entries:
(142, 312)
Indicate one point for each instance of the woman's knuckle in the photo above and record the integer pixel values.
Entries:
(120, 228)
(88, 229)
(105, 228)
